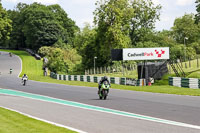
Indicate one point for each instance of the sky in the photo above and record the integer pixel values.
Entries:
(81, 11)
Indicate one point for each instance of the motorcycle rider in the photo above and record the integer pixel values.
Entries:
(10, 54)
(101, 81)
(24, 76)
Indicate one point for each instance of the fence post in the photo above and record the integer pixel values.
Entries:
(97, 71)
(197, 62)
(135, 67)
(169, 68)
(181, 62)
(185, 64)
(189, 63)
(122, 67)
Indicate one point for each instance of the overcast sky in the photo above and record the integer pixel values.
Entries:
(81, 11)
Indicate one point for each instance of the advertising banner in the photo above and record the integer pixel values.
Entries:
(130, 81)
(146, 53)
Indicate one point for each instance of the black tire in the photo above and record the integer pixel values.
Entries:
(24, 82)
(105, 94)
(105, 97)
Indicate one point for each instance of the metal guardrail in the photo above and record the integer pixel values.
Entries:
(193, 83)
(96, 79)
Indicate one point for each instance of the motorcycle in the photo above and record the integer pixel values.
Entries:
(24, 80)
(104, 90)
(10, 54)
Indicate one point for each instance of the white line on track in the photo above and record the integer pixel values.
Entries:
(112, 111)
(53, 123)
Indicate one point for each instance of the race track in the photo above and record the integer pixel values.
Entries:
(183, 109)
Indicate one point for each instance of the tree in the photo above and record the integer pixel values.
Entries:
(123, 23)
(67, 23)
(85, 43)
(196, 46)
(61, 60)
(17, 38)
(40, 27)
(55, 57)
(37, 25)
(5, 25)
(143, 22)
(112, 18)
(185, 27)
(197, 16)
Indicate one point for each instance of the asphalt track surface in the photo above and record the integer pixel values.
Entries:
(184, 109)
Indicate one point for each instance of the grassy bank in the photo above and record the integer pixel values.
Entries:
(30, 66)
(34, 70)
(12, 122)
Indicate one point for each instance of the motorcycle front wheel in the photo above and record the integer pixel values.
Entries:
(105, 95)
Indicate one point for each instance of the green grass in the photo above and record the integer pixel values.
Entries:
(193, 66)
(13, 122)
(30, 66)
(34, 70)
(194, 74)
(189, 70)
(128, 74)
(192, 71)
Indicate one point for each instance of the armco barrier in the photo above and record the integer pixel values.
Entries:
(117, 80)
(81, 78)
(184, 82)
(91, 78)
(53, 75)
(75, 78)
(170, 81)
(69, 77)
(123, 81)
(64, 77)
(96, 79)
(112, 80)
(199, 83)
(193, 83)
(88, 78)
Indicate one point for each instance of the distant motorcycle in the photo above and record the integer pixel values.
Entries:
(104, 90)
(24, 80)
(10, 54)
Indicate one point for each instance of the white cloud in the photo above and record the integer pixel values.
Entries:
(83, 1)
(81, 22)
(184, 2)
(12, 1)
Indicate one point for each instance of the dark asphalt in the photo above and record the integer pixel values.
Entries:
(184, 109)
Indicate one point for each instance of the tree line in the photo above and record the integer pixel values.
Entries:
(117, 24)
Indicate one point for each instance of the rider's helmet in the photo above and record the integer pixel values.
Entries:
(105, 78)
(24, 74)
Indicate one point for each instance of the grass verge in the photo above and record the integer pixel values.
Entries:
(13, 122)
(33, 68)
(30, 66)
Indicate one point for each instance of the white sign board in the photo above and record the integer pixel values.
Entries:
(146, 53)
